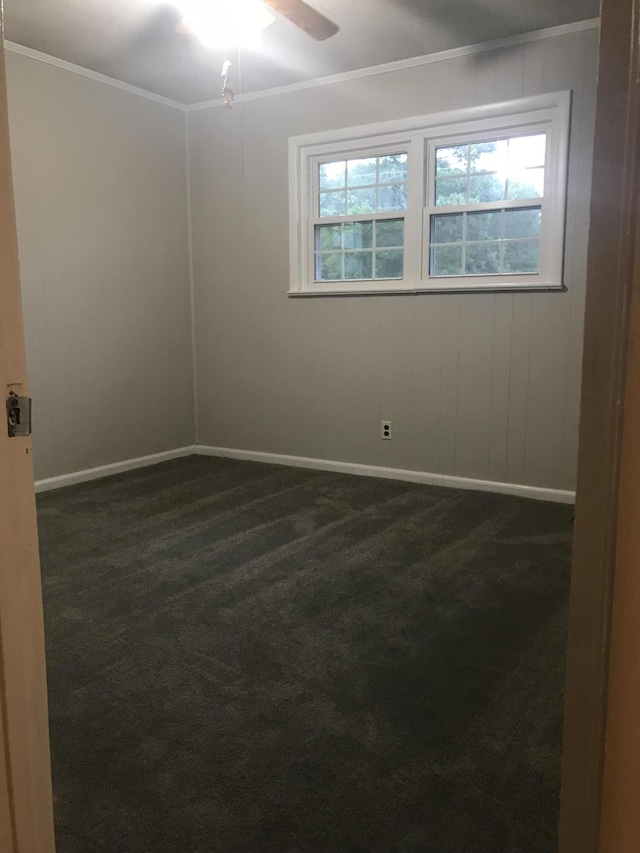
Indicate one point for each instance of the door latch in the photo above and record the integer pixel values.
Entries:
(18, 415)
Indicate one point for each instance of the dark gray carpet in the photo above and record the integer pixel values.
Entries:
(247, 658)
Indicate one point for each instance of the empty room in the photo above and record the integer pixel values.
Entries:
(303, 289)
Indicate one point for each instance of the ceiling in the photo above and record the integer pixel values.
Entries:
(136, 41)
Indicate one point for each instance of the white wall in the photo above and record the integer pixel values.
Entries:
(477, 385)
(100, 189)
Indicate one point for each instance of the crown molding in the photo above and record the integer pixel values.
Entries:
(91, 75)
(402, 64)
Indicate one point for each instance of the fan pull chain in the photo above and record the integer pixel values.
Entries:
(227, 91)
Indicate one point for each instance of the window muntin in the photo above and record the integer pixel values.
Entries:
(351, 241)
(488, 182)
(360, 250)
(362, 185)
(494, 242)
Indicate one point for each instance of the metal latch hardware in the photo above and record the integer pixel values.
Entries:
(18, 415)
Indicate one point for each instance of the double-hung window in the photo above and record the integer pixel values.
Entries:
(485, 208)
(358, 226)
(471, 200)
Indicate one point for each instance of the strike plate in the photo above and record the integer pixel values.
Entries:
(18, 415)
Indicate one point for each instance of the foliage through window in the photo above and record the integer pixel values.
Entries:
(465, 201)
(369, 246)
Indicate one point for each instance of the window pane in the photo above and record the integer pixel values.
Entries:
(484, 226)
(483, 259)
(446, 228)
(485, 188)
(526, 184)
(332, 175)
(392, 197)
(527, 151)
(333, 203)
(522, 223)
(357, 235)
(390, 232)
(390, 264)
(361, 172)
(452, 161)
(488, 156)
(393, 168)
(358, 265)
(361, 201)
(522, 256)
(451, 191)
(328, 237)
(329, 266)
(446, 260)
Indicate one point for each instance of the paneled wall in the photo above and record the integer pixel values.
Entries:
(100, 188)
(477, 385)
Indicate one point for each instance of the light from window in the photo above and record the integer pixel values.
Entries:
(503, 176)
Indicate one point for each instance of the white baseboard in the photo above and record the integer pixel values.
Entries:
(114, 468)
(535, 492)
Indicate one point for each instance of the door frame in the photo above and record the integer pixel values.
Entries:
(26, 807)
(602, 701)
(598, 563)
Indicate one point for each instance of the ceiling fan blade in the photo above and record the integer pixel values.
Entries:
(305, 17)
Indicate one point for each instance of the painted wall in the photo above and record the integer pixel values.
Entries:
(100, 189)
(477, 385)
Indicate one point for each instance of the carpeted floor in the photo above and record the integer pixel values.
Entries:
(247, 658)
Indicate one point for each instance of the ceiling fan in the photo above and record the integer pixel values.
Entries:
(305, 17)
(232, 21)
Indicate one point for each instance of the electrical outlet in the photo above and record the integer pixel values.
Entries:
(385, 429)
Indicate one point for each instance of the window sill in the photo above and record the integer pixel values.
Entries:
(440, 288)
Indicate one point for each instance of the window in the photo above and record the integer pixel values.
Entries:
(359, 230)
(472, 200)
(492, 194)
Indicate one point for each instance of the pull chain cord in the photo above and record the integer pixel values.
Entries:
(241, 112)
(228, 96)
(227, 91)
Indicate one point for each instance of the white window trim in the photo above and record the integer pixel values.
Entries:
(418, 136)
